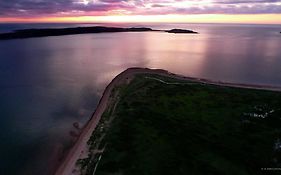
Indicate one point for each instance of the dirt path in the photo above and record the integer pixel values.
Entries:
(68, 166)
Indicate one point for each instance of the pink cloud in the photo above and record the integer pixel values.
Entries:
(13, 8)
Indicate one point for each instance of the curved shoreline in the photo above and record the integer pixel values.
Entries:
(68, 166)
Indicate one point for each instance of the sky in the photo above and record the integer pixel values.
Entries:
(232, 11)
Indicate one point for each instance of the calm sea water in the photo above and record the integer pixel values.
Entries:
(47, 84)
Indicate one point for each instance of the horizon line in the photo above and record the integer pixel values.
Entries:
(199, 18)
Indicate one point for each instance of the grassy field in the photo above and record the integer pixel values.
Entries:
(165, 126)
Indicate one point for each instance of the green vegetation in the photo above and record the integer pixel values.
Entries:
(191, 128)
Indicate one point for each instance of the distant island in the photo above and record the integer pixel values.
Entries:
(31, 33)
(156, 122)
(180, 31)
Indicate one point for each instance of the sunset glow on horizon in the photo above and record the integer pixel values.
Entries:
(212, 18)
(193, 11)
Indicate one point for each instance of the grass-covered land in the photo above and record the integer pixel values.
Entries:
(190, 128)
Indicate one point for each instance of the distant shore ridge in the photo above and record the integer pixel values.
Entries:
(31, 33)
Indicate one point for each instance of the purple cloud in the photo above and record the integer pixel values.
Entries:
(245, 1)
(14, 8)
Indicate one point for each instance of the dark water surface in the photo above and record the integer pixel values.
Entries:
(47, 84)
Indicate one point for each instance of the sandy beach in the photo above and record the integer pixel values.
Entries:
(80, 149)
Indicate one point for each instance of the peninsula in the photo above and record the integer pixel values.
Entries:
(31, 33)
(156, 122)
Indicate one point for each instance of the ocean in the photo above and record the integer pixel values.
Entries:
(49, 83)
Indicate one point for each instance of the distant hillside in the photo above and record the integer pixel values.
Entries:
(30, 33)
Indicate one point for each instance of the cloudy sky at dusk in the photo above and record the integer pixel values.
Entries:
(141, 10)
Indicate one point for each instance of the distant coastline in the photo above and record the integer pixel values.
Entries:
(33, 33)
(80, 149)
(180, 31)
